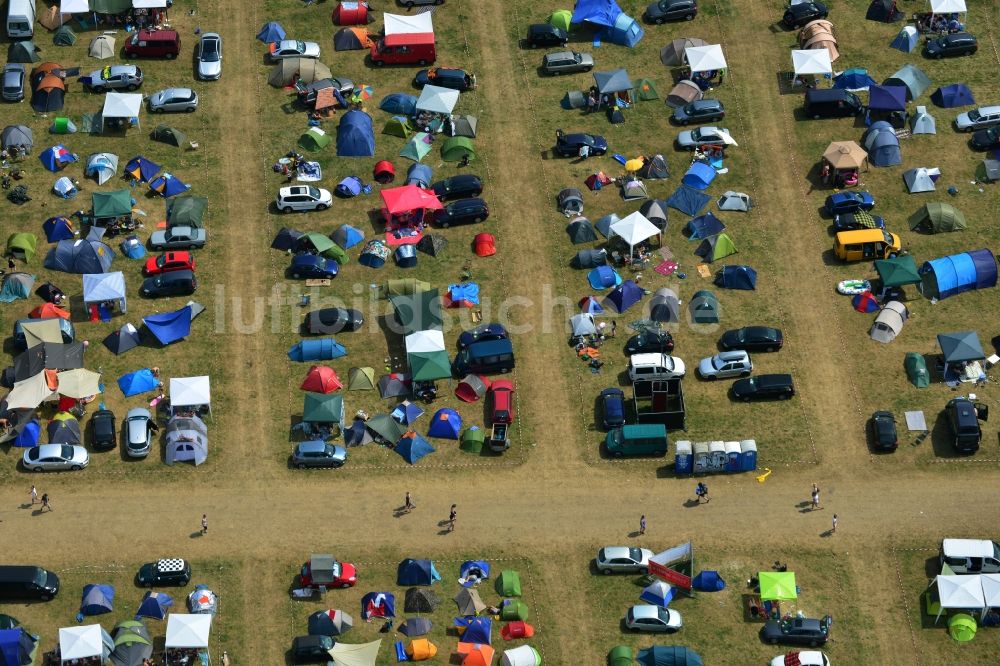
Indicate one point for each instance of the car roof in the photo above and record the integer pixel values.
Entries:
(122, 69)
(705, 103)
(559, 54)
(138, 411)
(774, 380)
(177, 92)
(645, 610)
(612, 552)
(613, 391)
(46, 450)
(313, 446)
(210, 35)
(734, 355)
(650, 357)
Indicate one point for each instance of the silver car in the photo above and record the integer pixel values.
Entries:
(115, 77)
(644, 617)
(566, 62)
(981, 118)
(173, 99)
(177, 238)
(138, 432)
(622, 559)
(726, 364)
(208, 55)
(13, 82)
(704, 136)
(55, 457)
(293, 48)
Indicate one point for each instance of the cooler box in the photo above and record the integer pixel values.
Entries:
(701, 458)
(733, 454)
(748, 455)
(682, 457)
(716, 456)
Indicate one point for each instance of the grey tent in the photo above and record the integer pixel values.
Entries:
(655, 168)
(735, 201)
(187, 210)
(415, 626)
(420, 600)
(988, 171)
(469, 603)
(50, 356)
(570, 201)
(664, 306)
(432, 244)
(23, 52)
(462, 126)
(918, 180)
(582, 324)
(64, 36)
(64, 432)
(633, 189)
(169, 135)
(580, 231)
(187, 440)
(922, 122)
(587, 259)
(672, 55)
(916, 369)
(914, 80)
(357, 434)
(960, 347)
(889, 322)
(120, 341)
(937, 217)
(603, 225)
(385, 427)
(286, 239)
(79, 256)
(17, 136)
(882, 145)
(655, 210)
(394, 386)
(613, 82)
(574, 99)
(704, 307)
(684, 92)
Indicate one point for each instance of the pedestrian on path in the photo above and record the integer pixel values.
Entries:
(204, 524)
(34, 495)
(701, 490)
(451, 517)
(642, 525)
(815, 498)
(45, 503)
(834, 528)
(614, 328)
(408, 504)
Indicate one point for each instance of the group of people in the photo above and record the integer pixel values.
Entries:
(939, 23)
(184, 657)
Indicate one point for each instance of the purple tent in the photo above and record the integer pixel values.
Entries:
(626, 295)
(887, 98)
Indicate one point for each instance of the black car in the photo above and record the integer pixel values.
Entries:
(175, 283)
(798, 15)
(543, 34)
(650, 342)
(612, 408)
(329, 321)
(457, 187)
(171, 571)
(955, 44)
(311, 649)
(700, 111)
(752, 339)
(986, 139)
(482, 333)
(884, 431)
(103, 429)
(568, 145)
(671, 10)
(857, 220)
(463, 211)
(307, 91)
(797, 631)
(764, 387)
(443, 77)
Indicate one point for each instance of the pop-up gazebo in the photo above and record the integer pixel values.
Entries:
(187, 632)
(959, 593)
(85, 642)
(777, 586)
(121, 106)
(705, 58)
(103, 288)
(191, 393)
(634, 229)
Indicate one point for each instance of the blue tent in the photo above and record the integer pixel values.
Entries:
(355, 137)
(625, 32)
(132, 247)
(154, 605)
(141, 169)
(668, 655)
(882, 145)
(603, 277)
(658, 593)
(97, 599)
(624, 296)
(271, 32)
(590, 305)
(347, 236)
(419, 175)
(57, 229)
(476, 629)
(708, 581)
(374, 254)
(413, 447)
(704, 226)
(378, 604)
(406, 256)
(399, 103)
(168, 185)
(478, 568)
(29, 434)
(16, 647)
(619, 28)
(906, 40)
(958, 273)
(323, 349)
(407, 412)
(446, 424)
(887, 98)
(170, 327)
(80, 256)
(699, 176)
(140, 381)
(463, 295)
(349, 187)
(953, 95)
(56, 157)
(416, 572)
(736, 277)
(688, 201)
(854, 79)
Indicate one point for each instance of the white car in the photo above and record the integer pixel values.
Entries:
(981, 118)
(293, 48)
(805, 658)
(303, 197)
(726, 364)
(655, 367)
(173, 99)
(55, 457)
(645, 617)
(704, 136)
(208, 55)
(622, 559)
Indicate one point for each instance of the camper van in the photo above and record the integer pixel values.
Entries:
(637, 440)
(832, 103)
(970, 556)
(404, 49)
(489, 357)
(153, 44)
(20, 19)
(865, 245)
(27, 583)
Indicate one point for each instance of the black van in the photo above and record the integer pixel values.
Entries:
(489, 357)
(26, 582)
(832, 103)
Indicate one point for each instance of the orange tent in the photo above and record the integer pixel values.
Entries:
(421, 649)
(46, 310)
(50, 82)
(45, 68)
(476, 654)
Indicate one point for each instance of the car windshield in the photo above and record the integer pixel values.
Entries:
(975, 115)
(66, 451)
(887, 237)
(993, 133)
(161, 261)
(717, 362)
(34, 453)
(210, 52)
(943, 41)
(300, 47)
(635, 554)
(314, 192)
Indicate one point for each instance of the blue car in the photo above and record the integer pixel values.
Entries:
(849, 202)
(482, 334)
(612, 408)
(859, 220)
(305, 266)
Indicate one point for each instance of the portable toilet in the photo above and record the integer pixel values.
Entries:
(701, 457)
(748, 455)
(733, 454)
(682, 457)
(716, 456)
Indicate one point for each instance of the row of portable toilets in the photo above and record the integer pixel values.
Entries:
(715, 457)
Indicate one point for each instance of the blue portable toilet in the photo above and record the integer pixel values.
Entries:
(717, 456)
(748, 455)
(406, 256)
(701, 458)
(733, 452)
(683, 459)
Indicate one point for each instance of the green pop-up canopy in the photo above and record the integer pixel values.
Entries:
(777, 586)
(428, 366)
(111, 204)
(898, 271)
(323, 408)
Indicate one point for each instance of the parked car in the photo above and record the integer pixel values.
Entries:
(307, 91)
(329, 321)
(622, 559)
(115, 77)
(55, 458)
(208, 56)
(184, 237)
(947, 46)
(849, 201)
(328, 573)
(445, 77)
(317, 453)
(312, 649)
(653, 619)
(650, 342)
(545, 35)
(410, 4)
(612, 408)
(568, 145)
(655, 367)
(699, 111)
(138, 432)
(752, 339)
(804, 658)
(311, 266)
(176, 283)
(857, 220)
(963, 417)
(293, 48)
(764, 387)
(797, 631)
(168, 571)
(985, 139)
(12, 82)
(703, 136)
(303, 197)
(104, 430)
(566, 62)
(482, 333)
(501, 402)
(168, 262)
(671, 10)
(463, 211)
(884, 435)
(726, 364)
(173, 99)
(458, 187)
(798, 15)
(981, 118)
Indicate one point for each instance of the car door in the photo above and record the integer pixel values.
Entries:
(52, 462)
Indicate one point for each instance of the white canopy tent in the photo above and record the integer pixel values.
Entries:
(355, 654)
(187, 631)
(102, 287)
(634, 229)
(811, 61)
(960, 593)
(399, 24)
(436, 99)
(948, 7)
(69, 7)
(424, 341)
(84, 642)
(149, 4)
(191, 392)
(705, 58)
(121, 105)
(29, 393)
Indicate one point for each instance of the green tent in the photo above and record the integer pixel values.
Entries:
(337, 253)
(560, 19)
(935, 218)
(428, 366)
(319, 242)
(323, 408)
(361, 379)
(187, 210)
(397, 127)
(110, 6)
(473, 439)
(916, 369)
(646, 90)
(621, 655)
(515, 611)
(62, 125)
(22, 245)
(386, 427)
(457, 148)
(418, 312)
(169, 135)
(314, 139)
(23, 52)
(962, 627)
(416, 148)
(704, 307)
(403, 287)
(716, 247)
(508, 583)
(898, 271)
(111, 204)
(64, 36)
(777, 586)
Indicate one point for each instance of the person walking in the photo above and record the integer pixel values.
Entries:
(451, 517)
(815, 498)
(591, 103)
(45, 502)
(204, 524)
(833, 529)
(642, 525)
(408, 504)
(614, 328)
(34, 495)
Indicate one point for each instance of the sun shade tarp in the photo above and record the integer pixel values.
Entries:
(777, 586)
(170, 327)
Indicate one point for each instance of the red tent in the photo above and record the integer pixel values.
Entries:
(517, 629)
(384, 172)
(48, 310)
(321, 379)
(408, 198)
(865, 302)
(484, 245)
(472, 388)
(351, 13)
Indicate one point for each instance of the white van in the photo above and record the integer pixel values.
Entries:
(970, 556)
(643, 367)
(20, 19)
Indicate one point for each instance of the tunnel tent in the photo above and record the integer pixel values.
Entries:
(916, 369)
(936, 218)
(952, 275)
(889, 322)
(591, 258)
(668, 655)
(17, 136)
(355, 136)
(882, 145)
(23, 52)
(80, 256)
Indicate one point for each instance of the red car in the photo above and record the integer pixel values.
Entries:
(502, 401)
(325, 571)
(169, 262)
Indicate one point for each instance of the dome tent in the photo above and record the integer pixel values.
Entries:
(922, 122)
(937, 217)
(355, 136)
